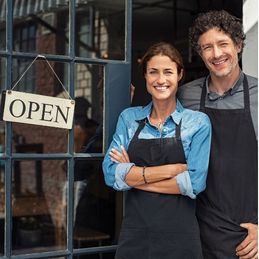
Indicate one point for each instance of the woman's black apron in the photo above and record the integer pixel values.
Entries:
(158, 226)
(230, 197)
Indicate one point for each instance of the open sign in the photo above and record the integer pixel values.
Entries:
(37, 109)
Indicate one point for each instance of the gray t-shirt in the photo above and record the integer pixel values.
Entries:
(189, 95)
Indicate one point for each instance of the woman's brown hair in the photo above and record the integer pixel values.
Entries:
(164, 49)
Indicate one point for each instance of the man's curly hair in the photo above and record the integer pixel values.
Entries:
(222, 20)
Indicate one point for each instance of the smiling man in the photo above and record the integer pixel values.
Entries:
(227, 209)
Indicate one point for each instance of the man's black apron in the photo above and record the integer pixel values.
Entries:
(230, 197)
(158, 226)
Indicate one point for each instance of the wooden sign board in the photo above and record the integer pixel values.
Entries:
(37, 109)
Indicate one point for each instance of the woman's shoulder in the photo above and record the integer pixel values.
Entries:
(195, 117)
(136, 111)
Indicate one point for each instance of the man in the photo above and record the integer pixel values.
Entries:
(227, 209)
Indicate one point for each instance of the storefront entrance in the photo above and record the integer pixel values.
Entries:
(53, 199)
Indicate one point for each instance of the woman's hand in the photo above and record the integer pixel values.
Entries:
(119, 157)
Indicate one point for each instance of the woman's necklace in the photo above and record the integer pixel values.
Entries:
(157, 122)
(160, 125)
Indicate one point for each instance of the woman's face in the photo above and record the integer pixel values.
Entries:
(162, 78)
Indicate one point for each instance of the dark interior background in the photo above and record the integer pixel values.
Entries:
(169, 20)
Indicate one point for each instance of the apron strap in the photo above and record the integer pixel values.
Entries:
(178, 130)
(246, 94)
(203, 95)
(245, 89)
(140, 127)
(143, 123)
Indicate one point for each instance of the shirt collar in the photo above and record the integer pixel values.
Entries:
(238, 85)
(176, 115)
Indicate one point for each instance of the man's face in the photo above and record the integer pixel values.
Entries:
(218, 52)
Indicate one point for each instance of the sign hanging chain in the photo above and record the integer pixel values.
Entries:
(41, 56)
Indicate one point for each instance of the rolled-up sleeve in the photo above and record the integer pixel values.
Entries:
(198, 158)
(193, 181)
(184, 183)
(120, 173)
(115, 173)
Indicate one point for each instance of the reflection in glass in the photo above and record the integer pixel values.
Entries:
(50, 140)
(2, 73)
(97, 208)
(2, 140)
(38, 206)
(2, 207)
(100, 29)
(39, 79)
(2, 24)
(88, 127)
(40, 26)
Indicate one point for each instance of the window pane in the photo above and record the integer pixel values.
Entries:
(39, 79)
(2, 138)
(100, 29)
(39, 139)
(89, 108)
(2, 207)
(2, 24)
(2, 73)
(97, 208)
(39, 206)
(41, 26)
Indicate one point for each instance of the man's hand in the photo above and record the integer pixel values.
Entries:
(248, 248)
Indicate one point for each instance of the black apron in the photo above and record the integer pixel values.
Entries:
(230, 197)
(158, 226)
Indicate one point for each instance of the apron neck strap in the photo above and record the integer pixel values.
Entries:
(178, 130)
(246, 94)
(143, 123)
(203, 95)
(140, 127)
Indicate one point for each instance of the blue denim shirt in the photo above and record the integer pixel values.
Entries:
(196, 139)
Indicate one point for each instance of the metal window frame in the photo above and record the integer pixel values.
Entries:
(8, 54)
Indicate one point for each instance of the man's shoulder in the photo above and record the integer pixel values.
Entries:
(252, 81)
(189, 94)
(195, 83)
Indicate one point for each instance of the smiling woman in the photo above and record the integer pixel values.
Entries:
(159, 154)
(162, 79)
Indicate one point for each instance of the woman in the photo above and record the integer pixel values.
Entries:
(159, 154)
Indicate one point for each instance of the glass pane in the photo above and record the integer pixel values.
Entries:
(41, 26)
(2, 24)
(39, 139)
(97, 208)
(2, 138)
(100, 29)
(2, 73)
(39, 206)
(39, 79)
(89, 108)
(2, 207)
